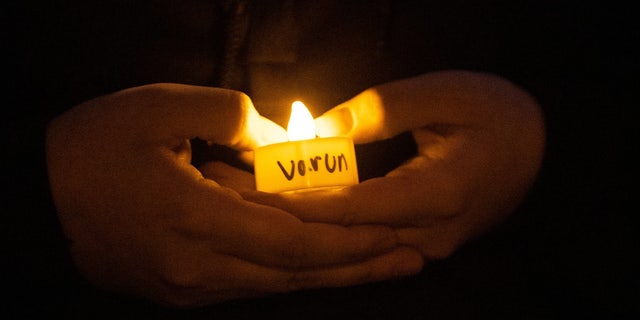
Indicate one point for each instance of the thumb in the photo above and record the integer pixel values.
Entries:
(375, 114)
(221, 116)
(361, 118)
(462, 98)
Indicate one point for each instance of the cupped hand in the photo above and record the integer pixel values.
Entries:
(480, 143)
(143, 221)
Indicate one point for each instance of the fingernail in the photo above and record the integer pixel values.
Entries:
(337, 122)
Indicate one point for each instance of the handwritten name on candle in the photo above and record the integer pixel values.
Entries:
(305, 161)
(331, 163)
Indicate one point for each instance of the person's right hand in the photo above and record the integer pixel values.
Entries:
(143, 221)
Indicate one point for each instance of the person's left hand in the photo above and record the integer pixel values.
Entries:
(480, 144)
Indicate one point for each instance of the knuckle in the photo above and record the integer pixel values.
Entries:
(346, 218)
(179, 274)
(349, 209)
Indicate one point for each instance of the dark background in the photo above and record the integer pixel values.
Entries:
(570, 251)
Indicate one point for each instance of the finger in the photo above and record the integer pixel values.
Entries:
(293, 244)
(440, 240)
(398, 199)
(436, 242)
(397, 263)
(220, 278)
(270, 236)
(222, 116)
(448, 97)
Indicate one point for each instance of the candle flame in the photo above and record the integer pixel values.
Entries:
(301, 125)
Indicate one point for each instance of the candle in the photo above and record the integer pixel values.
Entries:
(305, 162)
